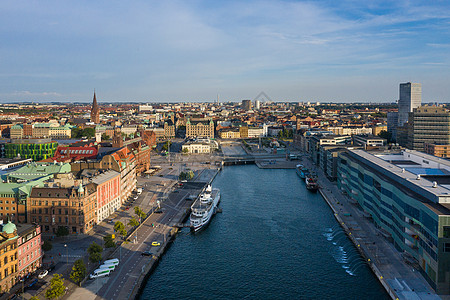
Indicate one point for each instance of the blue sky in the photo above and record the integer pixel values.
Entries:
(170, 51)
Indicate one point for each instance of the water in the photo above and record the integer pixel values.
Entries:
(274, 240)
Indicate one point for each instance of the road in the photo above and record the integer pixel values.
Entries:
(121, 282)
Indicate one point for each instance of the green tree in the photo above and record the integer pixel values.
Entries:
(185, 151)
(166, 146)
(385, 135)
(89, 132)
(62, 231)
(95, 257)
(133, 222)
(109, 241)
(140, 213)
(105, 137)
(95, 252)
(34, 298)
(120, 228)
(56, 288)
(94, 247)
(77, 132)
(47, 246)
(78, 271)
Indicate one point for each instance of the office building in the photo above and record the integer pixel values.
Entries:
(410, 98)
(392, 123)
(437, 150)
(407, 195)
(246, 104)
(428, 124)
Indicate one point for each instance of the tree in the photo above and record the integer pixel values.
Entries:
(62, 231)
(385, 135)
(56, 288)
(47, 246)
(109, 241)
(34, 298)
(185, 151)
(78, 271)
(95, 257)
(140, 213)
(89, 132)
(105, 137)
(95, 252)
(120, 228)
(166, 146)
(133, 222)
(94, 247)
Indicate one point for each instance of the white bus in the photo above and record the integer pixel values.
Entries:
(100, 273)
(113, 261)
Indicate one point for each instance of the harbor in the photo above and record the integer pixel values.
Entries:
(269, 223)
(363, 252)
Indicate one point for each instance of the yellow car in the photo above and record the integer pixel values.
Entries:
(155, 243)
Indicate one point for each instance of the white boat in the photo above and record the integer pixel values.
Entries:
(204, 207)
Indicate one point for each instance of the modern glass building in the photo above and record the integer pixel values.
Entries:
(408, 197)
(36, 149)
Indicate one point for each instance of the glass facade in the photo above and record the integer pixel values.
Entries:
(413, 223)
(35, 151)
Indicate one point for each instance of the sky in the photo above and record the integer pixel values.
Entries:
(178, 51)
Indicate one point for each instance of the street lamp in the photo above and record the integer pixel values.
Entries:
(67, 253)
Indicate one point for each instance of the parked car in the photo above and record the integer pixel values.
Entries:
(43, 274)
(146, 253)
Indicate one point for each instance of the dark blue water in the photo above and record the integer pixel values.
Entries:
(274, 240)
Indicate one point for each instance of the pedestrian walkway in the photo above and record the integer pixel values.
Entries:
(401, 281)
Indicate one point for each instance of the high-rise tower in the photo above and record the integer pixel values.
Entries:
(95, 112)
(410, 98)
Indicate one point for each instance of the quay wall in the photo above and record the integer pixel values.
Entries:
(359, 247)
(148, 269)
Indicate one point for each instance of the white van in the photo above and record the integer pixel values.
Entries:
(113, 261)
(100, 273)
(108, 266)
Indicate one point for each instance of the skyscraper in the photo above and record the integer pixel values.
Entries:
(410, 98)
(95, 112)
(246, 104)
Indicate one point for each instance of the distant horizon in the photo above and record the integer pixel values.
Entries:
(163, 51)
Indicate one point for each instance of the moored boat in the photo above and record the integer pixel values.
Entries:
(203, 208)
(311, 183)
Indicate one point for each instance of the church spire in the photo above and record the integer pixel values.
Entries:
(95, 112)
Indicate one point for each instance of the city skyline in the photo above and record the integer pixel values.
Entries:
(192, 51)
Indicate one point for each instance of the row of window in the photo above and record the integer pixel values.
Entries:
(65, 151)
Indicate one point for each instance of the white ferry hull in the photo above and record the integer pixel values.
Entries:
(197, 223)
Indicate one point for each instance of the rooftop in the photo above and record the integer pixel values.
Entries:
(430, 176)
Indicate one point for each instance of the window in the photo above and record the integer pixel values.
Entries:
(447, 247)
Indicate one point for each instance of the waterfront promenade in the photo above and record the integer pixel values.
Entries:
(125, 281)
(401, 280)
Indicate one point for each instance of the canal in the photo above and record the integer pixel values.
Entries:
(274, 240)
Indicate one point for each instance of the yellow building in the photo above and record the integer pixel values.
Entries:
(16, 131)
(229, 134)
(243, 131)
(377, 129)
(204, 128)
(8, 257)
